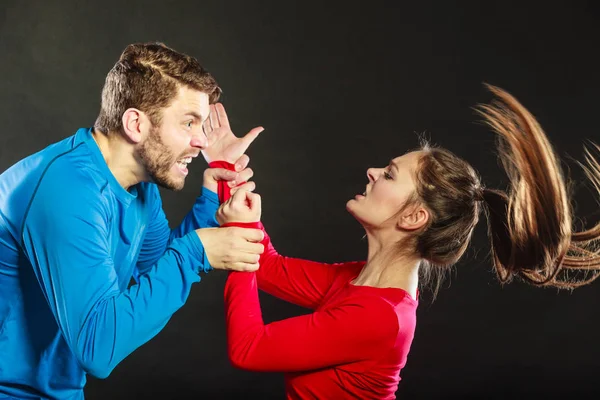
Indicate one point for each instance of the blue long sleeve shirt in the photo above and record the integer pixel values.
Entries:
(71, 239)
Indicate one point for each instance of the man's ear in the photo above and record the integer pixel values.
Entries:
(135, 125)
(413, 218)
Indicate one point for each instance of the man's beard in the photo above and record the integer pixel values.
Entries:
(158, 161)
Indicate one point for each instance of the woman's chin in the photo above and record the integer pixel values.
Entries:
(349, 205)
(351, 208)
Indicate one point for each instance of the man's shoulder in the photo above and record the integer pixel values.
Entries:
(58, 167)
(73, 168)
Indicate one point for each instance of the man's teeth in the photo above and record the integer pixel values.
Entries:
(185, 161)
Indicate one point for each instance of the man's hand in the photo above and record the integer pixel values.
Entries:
(232, 248)
(223, 145)
(233, 178)
(243, 206)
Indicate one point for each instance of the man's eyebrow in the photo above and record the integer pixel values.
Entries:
(195, 115)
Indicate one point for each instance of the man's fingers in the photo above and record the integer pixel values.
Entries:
(220, 174)
(245, 250)
(252, 250)
(244, 257)
(222, 115)
(227, 248)
(214, 117)
(242, 177)
(253, 134)
(242, 162)
(248, 186)
(246, 239)
(253, 235)
(245, 267)
(207, 128)
(245, 175)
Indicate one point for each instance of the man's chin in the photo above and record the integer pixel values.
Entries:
(175, 186)
(171, 184)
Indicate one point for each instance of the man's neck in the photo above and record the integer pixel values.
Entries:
(119, 158)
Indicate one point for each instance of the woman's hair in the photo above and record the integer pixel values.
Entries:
(530, 225)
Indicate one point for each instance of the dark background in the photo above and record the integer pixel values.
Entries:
(339, 87)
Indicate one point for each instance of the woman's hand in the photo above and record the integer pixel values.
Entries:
(243, 206)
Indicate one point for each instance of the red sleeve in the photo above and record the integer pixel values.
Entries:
(223, 189)
(298, 281)
(350, 332)
(294, 280)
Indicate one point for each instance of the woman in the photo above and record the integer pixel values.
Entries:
(419, 213)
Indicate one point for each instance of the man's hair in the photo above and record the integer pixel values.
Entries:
(147, 77)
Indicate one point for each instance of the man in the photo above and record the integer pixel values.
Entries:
(82, 217)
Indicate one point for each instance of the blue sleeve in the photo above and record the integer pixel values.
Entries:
(202, 214)
(158, 235)
(65, 236)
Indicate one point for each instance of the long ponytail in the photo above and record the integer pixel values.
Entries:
(531, 225)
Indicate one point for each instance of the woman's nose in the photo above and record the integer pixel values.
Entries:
(372, 174)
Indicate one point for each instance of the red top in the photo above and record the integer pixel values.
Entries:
(352, 346)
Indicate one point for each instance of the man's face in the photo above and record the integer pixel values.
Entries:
(168, 148)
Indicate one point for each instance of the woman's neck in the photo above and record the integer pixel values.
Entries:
(385, 268)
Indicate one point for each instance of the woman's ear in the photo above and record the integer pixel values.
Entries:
(413, 218)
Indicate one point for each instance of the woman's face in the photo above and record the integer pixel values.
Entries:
(387, 191)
